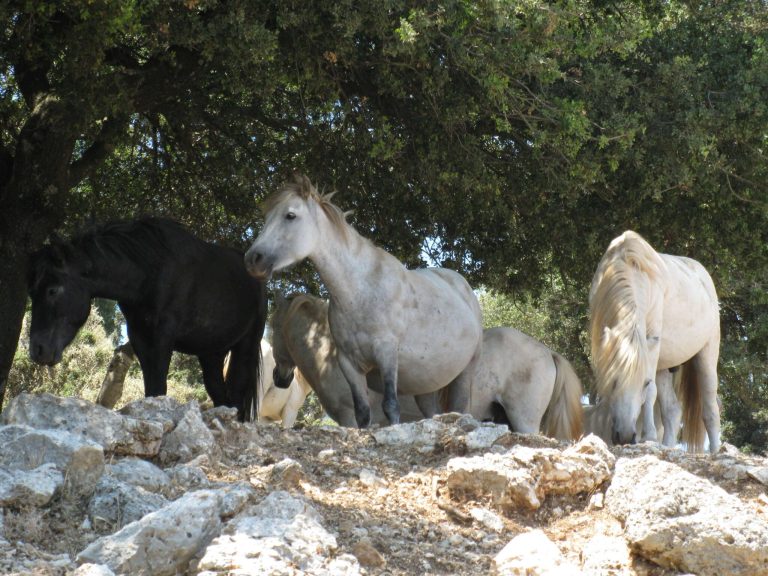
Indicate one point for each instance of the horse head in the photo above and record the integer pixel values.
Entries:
(293, 222)
(283, 373)
(61, 301)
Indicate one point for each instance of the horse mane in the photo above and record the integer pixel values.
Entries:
(619, 348)
(144, 241)
(301, 186)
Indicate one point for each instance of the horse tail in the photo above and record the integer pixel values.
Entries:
(693, 433)
(563, 417)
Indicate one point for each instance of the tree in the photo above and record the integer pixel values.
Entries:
(76, 78)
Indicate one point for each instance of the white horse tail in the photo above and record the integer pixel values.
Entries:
(563, 417)
(694, 432)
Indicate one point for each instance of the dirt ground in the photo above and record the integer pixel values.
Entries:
(387, 505)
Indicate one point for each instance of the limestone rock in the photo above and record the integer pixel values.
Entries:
(141, 473)
(677, 519)
(116, 503)
(115, 433)
(189, 439)
(524, 476)
(161, 543)
(532, 554)
(283, 534)
(34, 487)
(81, 461)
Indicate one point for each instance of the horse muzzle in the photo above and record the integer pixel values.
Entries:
(281, 381)
(628, 437)
(258, 264)
(43, 354)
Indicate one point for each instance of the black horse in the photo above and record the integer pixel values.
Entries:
(176, 292)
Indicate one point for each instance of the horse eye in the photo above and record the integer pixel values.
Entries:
(290, 216)
(52, 291)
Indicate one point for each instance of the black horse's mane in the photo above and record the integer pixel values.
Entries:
(143, 241)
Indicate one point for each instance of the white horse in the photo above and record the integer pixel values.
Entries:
(277, 404)
(650, 312)
(400, 331)
(301, 338)
(537, 388)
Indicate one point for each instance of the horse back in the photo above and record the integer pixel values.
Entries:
(691, 317)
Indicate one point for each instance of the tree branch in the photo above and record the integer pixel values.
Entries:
(102, 146)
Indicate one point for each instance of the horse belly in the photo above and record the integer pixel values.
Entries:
(426, 366)
(691, 317)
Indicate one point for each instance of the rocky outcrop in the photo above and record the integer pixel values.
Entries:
(163, 488)
(682, 521)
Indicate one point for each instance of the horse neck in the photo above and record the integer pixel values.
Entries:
(345, 262)
(114, 280)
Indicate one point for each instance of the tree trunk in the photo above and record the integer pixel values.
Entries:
(31, 207)
(112, 386)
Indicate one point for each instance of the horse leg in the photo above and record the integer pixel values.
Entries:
(460, 389)
(213, 377)
(358, 386)
(705, 363)
(386, 360)
(671, 412)
(649, 425)
(427, 403)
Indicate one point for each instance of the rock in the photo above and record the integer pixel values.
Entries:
(163, 542)
(532, 554)
(115, 433)
(188, 476)
(93, 570)
(116, 503)
(288, 473)
(604, 554)
(33, 487)
(142, 474)
(367, 554)
(163, 409)
(485, 435)
(219, 416)
(81, 461)
(679, 520)
(488, 519)
(422, 433)
(524, 476)
(280, 535)
(759, 473)
(190, 438)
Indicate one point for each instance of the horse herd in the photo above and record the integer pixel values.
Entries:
(390, 344)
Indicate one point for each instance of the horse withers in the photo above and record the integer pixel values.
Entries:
(176, 291)
(397, 331)
(650, 312)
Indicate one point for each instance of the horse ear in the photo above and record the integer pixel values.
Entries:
(304, 183)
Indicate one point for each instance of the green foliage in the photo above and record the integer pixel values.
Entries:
(84, 365)
(80, 372)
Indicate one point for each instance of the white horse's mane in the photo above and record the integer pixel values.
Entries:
(301, 186)
(619, 347)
